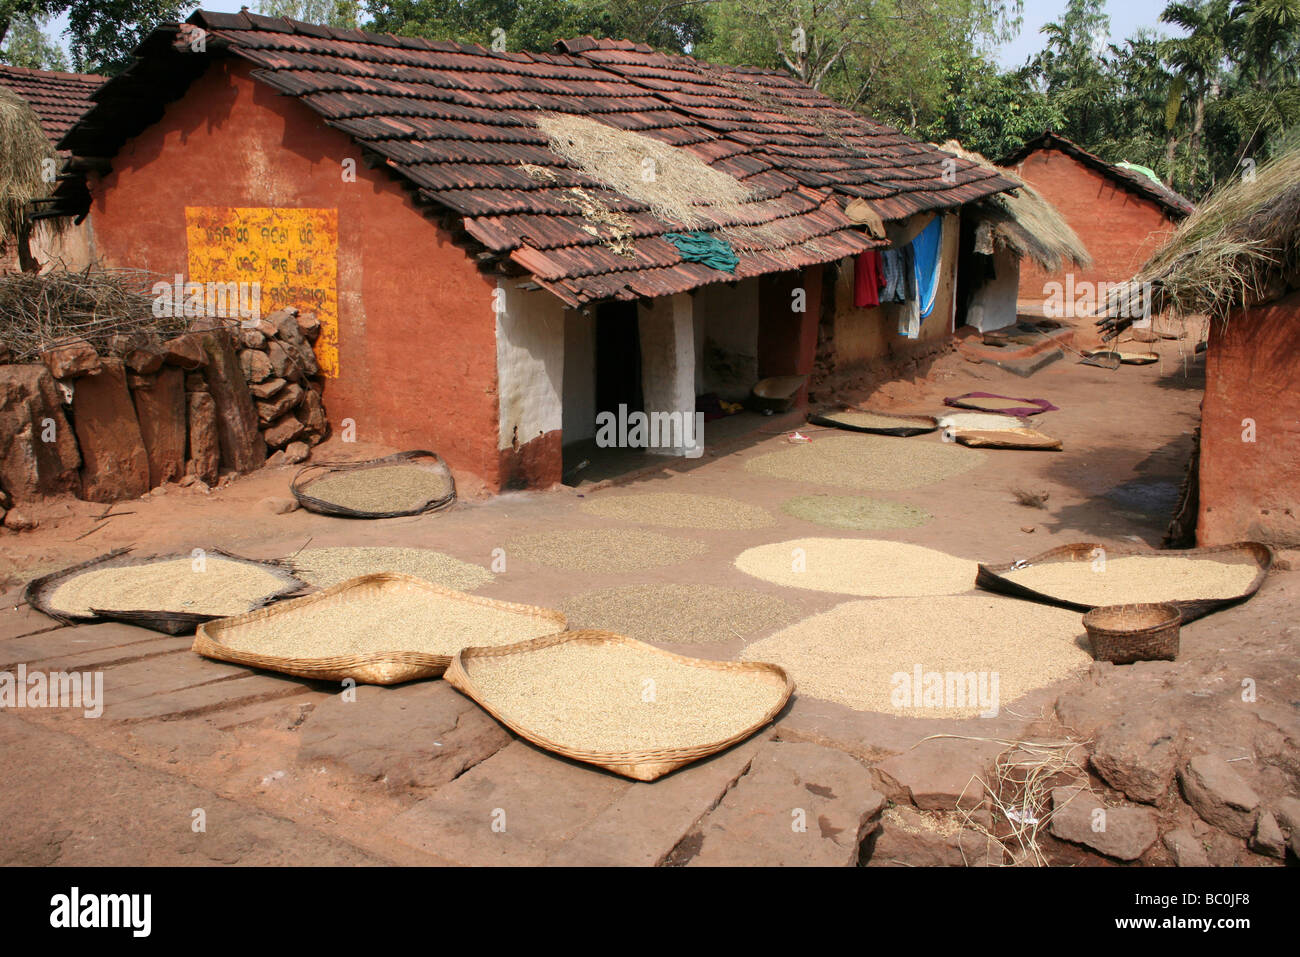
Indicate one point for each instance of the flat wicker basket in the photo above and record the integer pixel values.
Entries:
(378, 668)
(645, 765)
(904, 425)
(1128, 633)
(308, 475)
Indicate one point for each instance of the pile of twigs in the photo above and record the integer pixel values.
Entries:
(38, 312)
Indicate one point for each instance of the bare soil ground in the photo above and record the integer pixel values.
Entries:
(282, 770)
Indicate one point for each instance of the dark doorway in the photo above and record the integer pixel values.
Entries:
(618, 358)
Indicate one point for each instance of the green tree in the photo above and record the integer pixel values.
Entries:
(27, 44)
(102, 33)
(344, 14)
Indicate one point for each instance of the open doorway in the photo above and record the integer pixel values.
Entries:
(602, 370)
(618, 358)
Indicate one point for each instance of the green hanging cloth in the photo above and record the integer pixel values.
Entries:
(704, 248)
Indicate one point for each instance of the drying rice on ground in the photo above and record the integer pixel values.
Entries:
(329, 566)
(857, 566)
(601, 550)
(677, 510)
(222, 588)
(857, 653)
(981, 420)
(1136, 579)
(875, 420)
(855, 512)
(872, 462)
(393, 621)
(688, 614)
(585, 696)
(385, 488)
(996, 402)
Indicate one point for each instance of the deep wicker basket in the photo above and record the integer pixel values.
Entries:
(1124, 634)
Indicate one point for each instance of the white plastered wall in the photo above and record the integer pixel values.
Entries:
(993, 305)
(668, 358)
(530, 363)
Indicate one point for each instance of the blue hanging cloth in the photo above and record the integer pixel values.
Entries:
(928, 247)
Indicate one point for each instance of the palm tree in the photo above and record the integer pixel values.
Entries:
(1198, 60)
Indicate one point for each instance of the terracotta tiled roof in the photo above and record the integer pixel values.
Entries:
(1172, 202)
(458, 121)
(59, 99)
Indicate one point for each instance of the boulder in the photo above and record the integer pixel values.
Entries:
(17, 520)
(282, 362)
(276, 460)
(1268, 838)
(72, 359)
(241, 447)
(284, 402)
(910, 838)
(1123, 833)
(279, 505)
(292, 339)
(264, 390)
(1285, 809)
(205, 446)
(312, 412)
(296, 452)
(160, 410)
(1219, 795)
(309, 326)
(252, 339)
(1138, 757)
(1186, 849)
(144, 360)
(283, 431)
(255, 365)
(185, 352)
(115, 465)
(38, 449)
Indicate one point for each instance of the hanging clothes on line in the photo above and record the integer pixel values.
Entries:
(927, 251)
(896, 272)
(868, 279)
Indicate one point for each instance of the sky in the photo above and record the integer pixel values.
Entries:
(1126, 16)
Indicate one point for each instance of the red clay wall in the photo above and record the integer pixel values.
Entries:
(1251, 490)
(417, 338)
(787, 341)
(1119, 230)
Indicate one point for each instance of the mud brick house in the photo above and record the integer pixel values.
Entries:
(478, 294)
(59, 100)
(1121, 215)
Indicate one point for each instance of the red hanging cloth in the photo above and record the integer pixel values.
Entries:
(868, 279)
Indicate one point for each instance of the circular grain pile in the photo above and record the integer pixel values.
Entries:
(854, 653)
(678, 510)
(400, 621)
(1136, 579)
(855, 512)
(602, 550)
(329, 566)
(857, 566)
(981, 420)
(581, 695)
(222, 588)
(687, 614)
(385, 488)
(873, 462)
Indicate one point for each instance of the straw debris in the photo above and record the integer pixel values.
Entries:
(613, 698)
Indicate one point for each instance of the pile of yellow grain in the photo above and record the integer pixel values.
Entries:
(601, 551)
(385, 488)
(215, 586)
(679, 510)
(1136, 579)
(329, 566)
(612, 698)
(875, 420)
(390, 620)
(876, 462)
(864, 654)
(686, 614)
(859, 566)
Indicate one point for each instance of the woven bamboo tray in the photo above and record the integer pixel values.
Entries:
(908, 425)
(376, 668)
(973, 401)
(309, 475)
(989, 577)
(1124, 634)
(1030, 439)
(38, 591)
(645, 765)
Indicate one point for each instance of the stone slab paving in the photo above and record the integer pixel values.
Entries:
(87, 647)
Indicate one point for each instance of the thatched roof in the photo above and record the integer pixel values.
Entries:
(23, 148)
(1026, 223)
(1240, 247)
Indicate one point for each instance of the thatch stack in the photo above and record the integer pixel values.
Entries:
(24, 151)
(1240, 248)
(1024, 222)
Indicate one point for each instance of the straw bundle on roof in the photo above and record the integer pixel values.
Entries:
(23, 148)
(1026, 223)
(1240, 247)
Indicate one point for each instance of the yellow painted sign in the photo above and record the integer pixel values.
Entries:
(291, 253)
